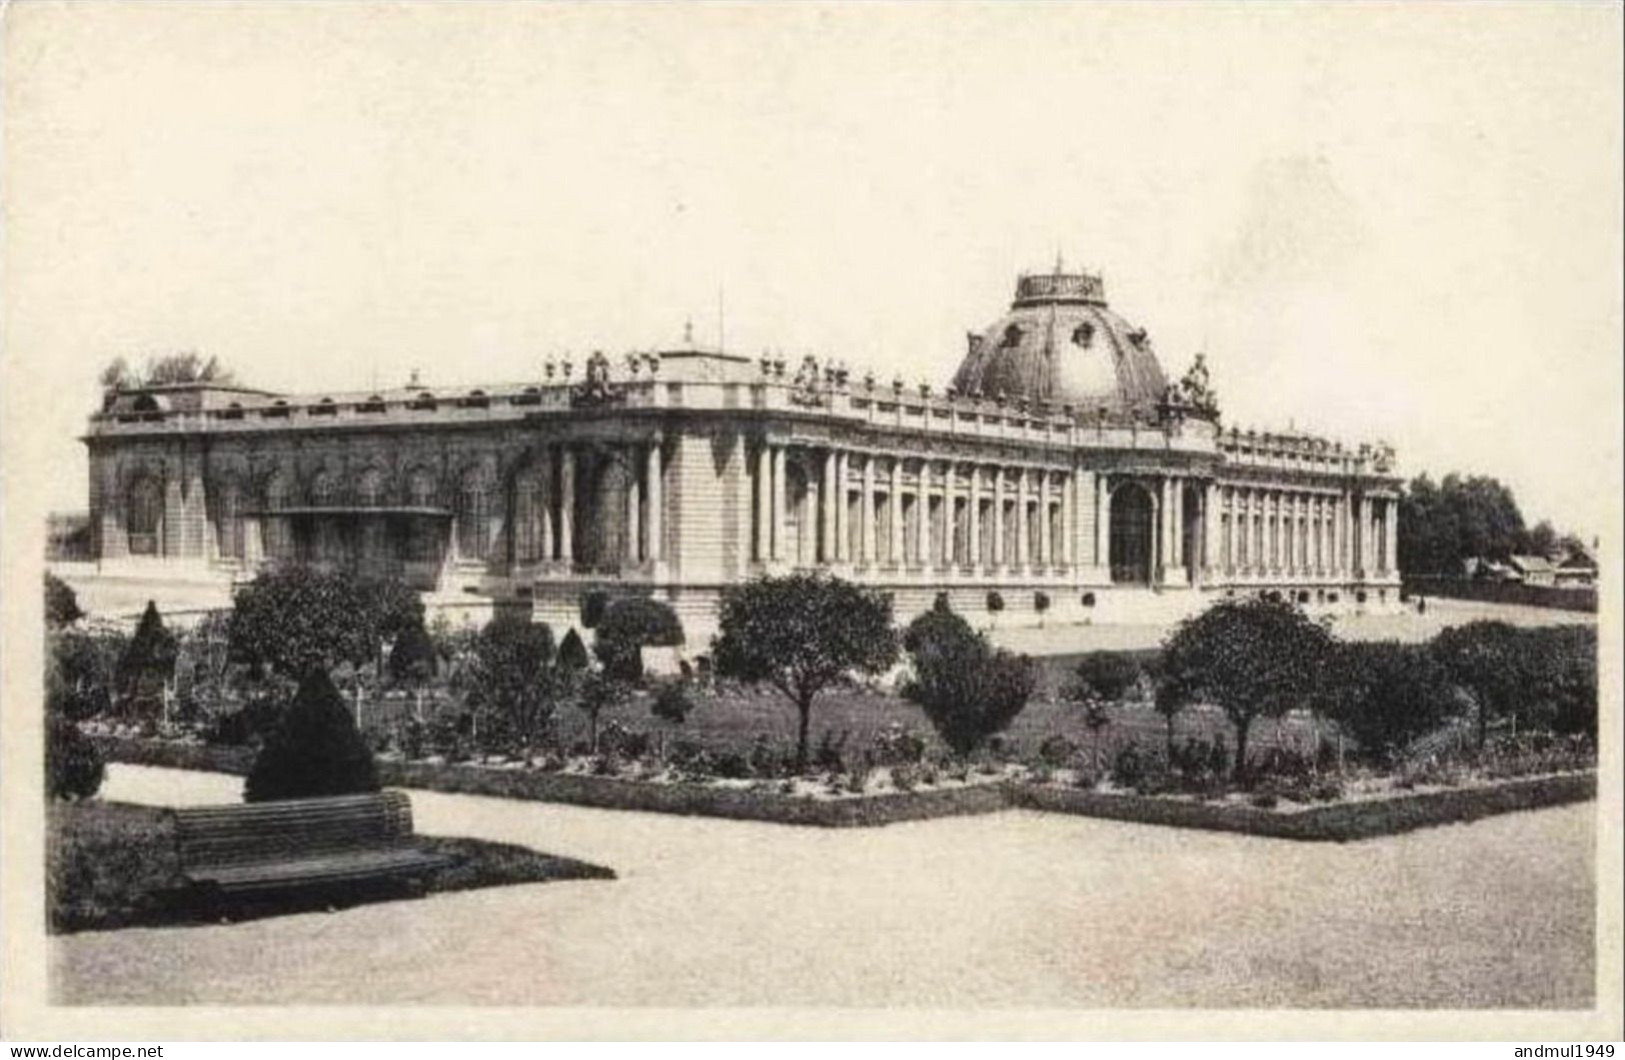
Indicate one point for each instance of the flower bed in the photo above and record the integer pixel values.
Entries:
(1362, 818)
(1372, 812)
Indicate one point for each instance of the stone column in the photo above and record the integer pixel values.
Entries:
(895, 504)
(655, 546)
(1103, 524)
(780, 493)
(867, 530)
(950, 475)
(922, 517)
(764, 503)
(1046, 536)
(843, 547)
(1165, 548)
(1210, 531)
(1023, 549)
(826, 511)
(1000, 560)
(567, 505)
(1391, 537)
(633, 506)
(1071, 492)
(973, 511)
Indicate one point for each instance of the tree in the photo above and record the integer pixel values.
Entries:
(600, 691)
(512, 676)
(315, 750)
(802, 633)
(1484, 660)
(1541, 540)
(297, 620)
(1442, 525)
(61, 603)
(1101, 679)
(148, 661)
(185, 367)
(627, 627)
(1391, 695)
(1250, 658)
(968, 690)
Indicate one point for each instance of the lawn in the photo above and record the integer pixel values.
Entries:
(110, 864)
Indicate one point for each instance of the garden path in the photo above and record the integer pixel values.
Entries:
(1011, 909)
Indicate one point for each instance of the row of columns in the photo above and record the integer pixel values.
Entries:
(1268, 531)
(833, 471)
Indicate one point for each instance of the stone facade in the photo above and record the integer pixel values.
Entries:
(678, 473)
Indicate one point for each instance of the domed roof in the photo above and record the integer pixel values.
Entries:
(1060, 344)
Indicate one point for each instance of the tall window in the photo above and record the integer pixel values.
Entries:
(423, 537)
(474, 517)
(278, 531)
(529, 519)
(143, 517)
(228, 520)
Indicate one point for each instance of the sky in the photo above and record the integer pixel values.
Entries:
(1396, 223)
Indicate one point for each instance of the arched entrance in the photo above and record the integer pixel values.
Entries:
(1133, 520)
(603, 536)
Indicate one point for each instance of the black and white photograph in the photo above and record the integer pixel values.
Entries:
(815, 521)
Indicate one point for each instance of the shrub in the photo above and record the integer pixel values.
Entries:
(61, 603)
(1056, 750)
(831, 754)
(968, 690)
(314, 751)
(1129, 767)
(673, 702)
(253, 721)
(510, 676)
(803, 633)
(73, 765)
(623, 742)
(627, 627)
(147, 664)
(572, 652)
(769, 759)
(1387, 695)
(897, 745)
(296, 619)
(412, 658)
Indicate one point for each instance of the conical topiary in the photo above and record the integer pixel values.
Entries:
(315, 749)
(148, 661)
(572, 652)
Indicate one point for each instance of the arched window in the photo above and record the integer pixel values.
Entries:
(1131, 527)
(423, 536)
(323, 489)
(369, 488)
(474, 516)
(144, 516)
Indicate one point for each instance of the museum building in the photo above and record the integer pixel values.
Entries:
(1060, 477)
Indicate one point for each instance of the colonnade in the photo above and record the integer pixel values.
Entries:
(1268, 532)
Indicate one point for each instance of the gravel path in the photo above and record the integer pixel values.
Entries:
(1012, 909)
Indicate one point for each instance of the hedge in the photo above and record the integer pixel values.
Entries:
(1336, 822)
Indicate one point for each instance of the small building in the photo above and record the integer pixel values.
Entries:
(1576, 570)
(1533, 570)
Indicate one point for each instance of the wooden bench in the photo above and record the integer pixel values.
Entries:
(339, 842)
